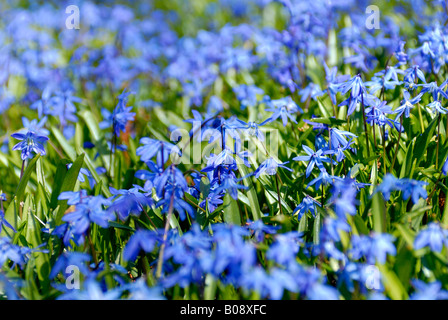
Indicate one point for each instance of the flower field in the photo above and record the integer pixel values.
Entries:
(223, 150)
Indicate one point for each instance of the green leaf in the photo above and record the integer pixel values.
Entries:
(251, 194)
(20, 193)
(330, 121)
(68, 185)
(392, 284)
(379, 214)
(422, 141)
(231, 210)
(68, 149)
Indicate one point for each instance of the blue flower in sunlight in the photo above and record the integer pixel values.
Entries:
(307, 205)
(433, 236)
(152, 148)
(131, 201)
(89, 210)
(356, 88)
(339, 138)
(445, 167)
(230, 184)
(314, 158)
(269, 166)
(436, 107)
(323, 178)
(119, 117)
(434, 90)
(174, 194)
(31, 143)
(407, 105)
(73, 197)
(140, 241)
(411, 74)
(282, 108)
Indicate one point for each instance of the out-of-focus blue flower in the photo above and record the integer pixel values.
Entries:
(72, 258)
(428, 291)
(35, 126)
(82, 172)
(433, 236)
(92, 290)
(247, 95)
(374, 248)
(260, 229)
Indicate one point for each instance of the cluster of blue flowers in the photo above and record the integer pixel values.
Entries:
(347, 203)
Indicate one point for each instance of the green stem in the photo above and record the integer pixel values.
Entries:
(384, 149)
(398, 143)
(365, 125)
(278, 194)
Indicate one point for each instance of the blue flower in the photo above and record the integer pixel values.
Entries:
(356, 88)
(323, 178)
(374, 248)
(73, 197)
(282, 108)
(407, 105)
(247, 95)
(31, 142)
(428, 291)
(307, 205)
(88, 211)
(230, 185)
(436, 107)
(314, 158)
(152, 147)
(82, 172)
(269, 166)
(119, 117)
(433, 236)
(131, 201)
(260, 229)
(141, 240)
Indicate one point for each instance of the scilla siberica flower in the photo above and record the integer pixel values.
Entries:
(89, 210)
(434, 237)
(131, 201)
(269, 166)
(31, 143)
(119, 117)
